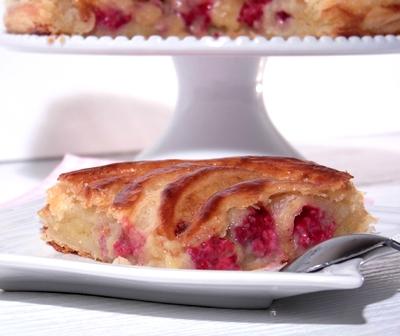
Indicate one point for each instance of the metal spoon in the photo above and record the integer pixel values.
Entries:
(343, 248)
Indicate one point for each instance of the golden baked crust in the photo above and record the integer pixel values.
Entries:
(186, 214)
(204, 17)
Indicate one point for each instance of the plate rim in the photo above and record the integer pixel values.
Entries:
(210, 278)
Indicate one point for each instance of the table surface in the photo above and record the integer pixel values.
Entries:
(369, 310)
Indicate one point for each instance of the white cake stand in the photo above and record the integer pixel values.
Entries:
(220, 109)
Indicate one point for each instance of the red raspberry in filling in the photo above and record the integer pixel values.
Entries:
(311, 227)
(216, 254)
(196, 14)
(257, 231)
(104, 234)
(130, 242)
(181, 227)
(252, 12)
(282, 16)
(112, 18)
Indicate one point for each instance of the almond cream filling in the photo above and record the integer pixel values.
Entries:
(95, 234)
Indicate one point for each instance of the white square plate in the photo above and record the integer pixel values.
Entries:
(28, 264)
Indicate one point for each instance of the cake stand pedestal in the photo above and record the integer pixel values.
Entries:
(220, 109)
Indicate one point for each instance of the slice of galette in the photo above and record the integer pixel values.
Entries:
(240, 213)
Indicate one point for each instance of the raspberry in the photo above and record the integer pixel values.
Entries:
(130, 242)
(216, 254)
(282, 16)
(197, 17)
(112, 18)
(312, 227)
(252, 12)
(103, 243)
(258, 232)
(180, 228)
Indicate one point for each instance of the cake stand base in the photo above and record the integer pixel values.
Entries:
(220, 111)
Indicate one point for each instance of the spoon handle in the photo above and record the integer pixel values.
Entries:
(393, 244)
(380, 249)
(384, 248)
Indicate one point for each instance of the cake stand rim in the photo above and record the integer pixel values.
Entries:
(174, 46)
